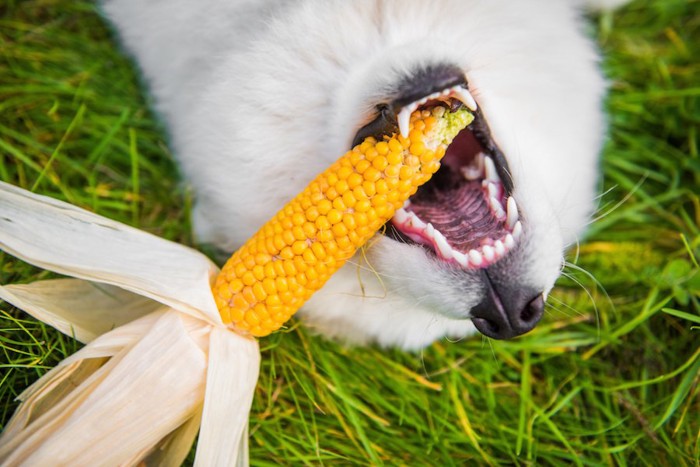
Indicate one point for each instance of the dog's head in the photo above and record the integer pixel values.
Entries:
(482, 243)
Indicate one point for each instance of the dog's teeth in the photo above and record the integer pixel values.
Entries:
(512, 212)
(407, 203)
(500, 248)
(401, 216)
(475, 169)
(430, 230)
(517, 230)
(404, 118)
(509, 241)
(475, 258)
(489, 253)
(490, 170)
(446, 92)
(465, 96)
(470, 172)
(497, 208)
(416, 222)
(493, 192)
(461, 258)
(443, 247)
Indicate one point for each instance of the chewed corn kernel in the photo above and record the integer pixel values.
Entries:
(295, 253)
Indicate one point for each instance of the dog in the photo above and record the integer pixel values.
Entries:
(260, 96)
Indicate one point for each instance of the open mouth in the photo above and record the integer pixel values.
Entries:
(466, 214)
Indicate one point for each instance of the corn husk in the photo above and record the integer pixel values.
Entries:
(158, 365)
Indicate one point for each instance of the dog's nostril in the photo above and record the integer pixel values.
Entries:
(533, 310)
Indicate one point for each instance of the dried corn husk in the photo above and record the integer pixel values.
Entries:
(158, 365)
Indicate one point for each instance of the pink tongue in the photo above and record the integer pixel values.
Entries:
(461, 214)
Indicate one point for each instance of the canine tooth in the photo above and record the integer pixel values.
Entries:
(490, 170)
(489, 253)
(475, 257)
(446, 92)
(430, 230)
(404, 117)
(465, 96)
(461, 258)
(401, 216)
(517, 230)
(442, 245)
(512, 212)
(509, 241)
(500, 248)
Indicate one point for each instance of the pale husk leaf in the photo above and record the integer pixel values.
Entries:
(64, 387)
(80, 309)
(234, 364)
(173, 450)
(127, 406)
(63, 238)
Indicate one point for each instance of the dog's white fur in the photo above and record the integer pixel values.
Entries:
(260, 96)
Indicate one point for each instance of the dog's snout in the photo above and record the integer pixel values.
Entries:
(507, 312)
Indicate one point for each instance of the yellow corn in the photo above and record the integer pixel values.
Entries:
(295, 253)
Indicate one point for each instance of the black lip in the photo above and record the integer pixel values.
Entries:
(426, 80)
(420, 82)
(384, 124)
(482, 133)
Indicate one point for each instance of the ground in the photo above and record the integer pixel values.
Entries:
(612, 374)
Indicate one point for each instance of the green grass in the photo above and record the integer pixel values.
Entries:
(611, 376)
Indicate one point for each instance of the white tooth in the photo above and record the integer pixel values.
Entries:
(461, 258)
(430, 230)
(475, 257)
(497, 208)
(509, 241)
(490, 170)
(401, 216)
(407, 203)
(517, 230)
(446, 92)
(512, 212)
(470, 172)
(500, 248)
(465, 96)
(442, 245)
(489, 254)
(404, 118)
(417, 223)
(423, 101)
(434, 95)
(493, 192)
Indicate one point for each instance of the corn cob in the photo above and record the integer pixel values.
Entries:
(294, 254)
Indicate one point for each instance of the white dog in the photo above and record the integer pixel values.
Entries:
(260, 96)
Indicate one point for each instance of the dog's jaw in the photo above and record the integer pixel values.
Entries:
(263, 119)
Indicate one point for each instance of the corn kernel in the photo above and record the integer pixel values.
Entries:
(311, 237)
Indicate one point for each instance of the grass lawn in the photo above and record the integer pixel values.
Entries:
(612, 374)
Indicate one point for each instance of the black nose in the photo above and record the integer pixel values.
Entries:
(507, 312)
